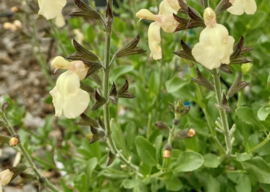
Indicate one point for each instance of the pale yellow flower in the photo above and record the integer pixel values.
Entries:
(215, 45)
(68, 97)
(51, 8)
(164, 20)
(240, 6)
(5, 178)
(60, 21)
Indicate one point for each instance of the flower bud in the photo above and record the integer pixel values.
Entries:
(13, 141)
(5, 176)
(184, 134)
(162, 126)
(167, 151)
(7, 25)
(180, 109)
(18, 24)
(191, 133)
(209, 17)
(14, 9)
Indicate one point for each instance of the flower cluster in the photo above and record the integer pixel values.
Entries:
(68, 97)
(164, 20)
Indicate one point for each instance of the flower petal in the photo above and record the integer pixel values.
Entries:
(60, 21)
(250, 7)
(174, 4)
(153, 41)
(214, 48)
(167, 23)
(145, 14)
(237, 7)
(166, 9)
(51, 8)
(60, 63)
(58, 101)
(76, 103)
(80, 69)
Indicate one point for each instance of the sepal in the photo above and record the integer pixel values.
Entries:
(17, 170)
(99, 101)
(123, 91)
(162, 126)
(82, 53)
(222, 6)
(201, 80)
(85, 11)
(226, 68)
(113, 96)
(186, 52)
(225, 104)
(110, 158)
(238, 50)
(87, 87)
(97, 134)
(130, 49)
(109, 15)
(86, 121)
(237, 85)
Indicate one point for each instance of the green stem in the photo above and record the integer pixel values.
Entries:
(222, 112)
(28, 158)
(56, 35)
(106, 112)
(260, 145)
(171, 134)
(149, 126)
(207, 116)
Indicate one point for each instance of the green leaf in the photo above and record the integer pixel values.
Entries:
(210, 160)
(243, 156)
(90, 166)
(154, 83)
(263, 113)
(246, 115)
(257, 19)
(174, 84)
(120, 70)
(258, 168)
(131, 183)
(63, 186)
(188, 161)
(146, 151)
(173, 184)
(243, 184)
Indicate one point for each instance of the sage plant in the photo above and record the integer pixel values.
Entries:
(160, 161)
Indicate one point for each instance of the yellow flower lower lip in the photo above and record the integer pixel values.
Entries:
(240, 6)
(68, 98)
(51, 8)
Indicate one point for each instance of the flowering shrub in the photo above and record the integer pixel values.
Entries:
(192, 116)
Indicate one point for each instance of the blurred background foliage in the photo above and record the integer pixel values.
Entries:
(156, 84)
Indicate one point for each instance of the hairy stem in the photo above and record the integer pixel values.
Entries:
(106, 112)
(56, 35)
(222, 112)
(207, 117)
(28, 158)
